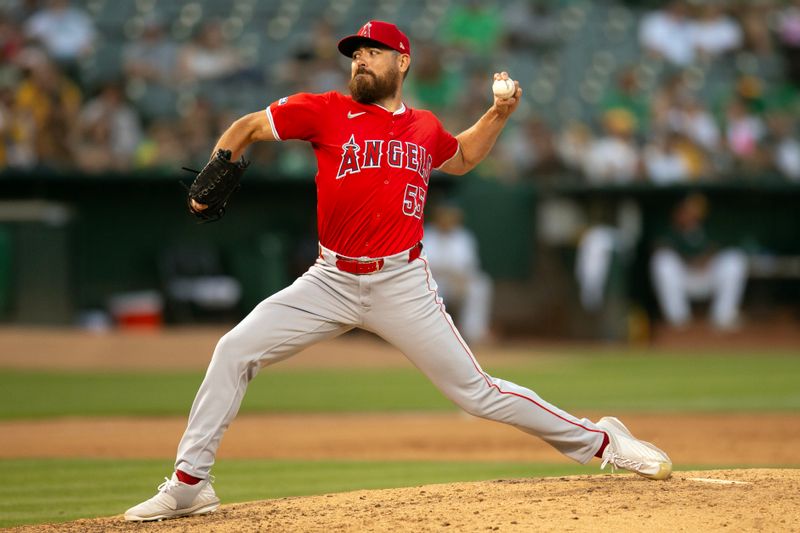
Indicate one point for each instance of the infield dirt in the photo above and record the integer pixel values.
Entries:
(754, 439)
(735, 500)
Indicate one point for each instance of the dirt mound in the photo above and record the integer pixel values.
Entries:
(720, 500)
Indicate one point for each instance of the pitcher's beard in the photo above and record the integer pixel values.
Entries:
(367, 88)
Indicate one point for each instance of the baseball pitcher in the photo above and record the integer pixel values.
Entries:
(374, 156)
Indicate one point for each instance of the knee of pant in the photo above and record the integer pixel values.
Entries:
(473, 401)
(228, 347)
(233, 356)
(732, 263)
(665, 262)
(472, 406)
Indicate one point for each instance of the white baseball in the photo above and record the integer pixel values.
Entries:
(504, 88)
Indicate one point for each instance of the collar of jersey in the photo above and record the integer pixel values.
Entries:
(398, 112)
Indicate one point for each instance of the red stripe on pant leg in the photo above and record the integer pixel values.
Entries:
(438, 301)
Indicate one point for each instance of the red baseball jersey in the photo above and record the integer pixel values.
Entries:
(373, 168)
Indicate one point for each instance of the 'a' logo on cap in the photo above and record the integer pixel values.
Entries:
(402, 47)
(366, 30)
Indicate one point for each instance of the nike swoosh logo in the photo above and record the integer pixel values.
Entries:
(350, 114)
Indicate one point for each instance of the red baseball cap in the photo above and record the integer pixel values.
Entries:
(376, 31)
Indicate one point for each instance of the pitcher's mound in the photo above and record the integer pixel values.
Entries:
(712, 500)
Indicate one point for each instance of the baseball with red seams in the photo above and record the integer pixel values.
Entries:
(504, 88)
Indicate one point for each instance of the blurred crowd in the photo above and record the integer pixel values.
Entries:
(53, 117)
(677, 130)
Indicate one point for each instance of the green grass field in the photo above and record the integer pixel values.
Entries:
(664, 382)
(53, 490)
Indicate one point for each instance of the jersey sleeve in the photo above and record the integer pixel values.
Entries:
(446, 145)
(297, 116)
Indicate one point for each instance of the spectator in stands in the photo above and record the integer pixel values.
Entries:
(474, 28)
(614, 157)
(784, 145)
(322, 36)
(789, 39)
(667, 33)
(688, 265)
(109, 131)
(531, 150)
(326, 75)
(313, 66)
(751, 90)
(754, 18)
(294, 73)
(473, 95)
(664, 162)
(627, 94)
(7, 141)
(305, 71)
(668, 95)
(208, 57)
(690, 117)
(66, 32)
(433, 87)
(453, 256)
(11, 39)
(46, 109)
(573, 144)
(198, 131)
(530, 24)
(696, 134)
(744, 133)
(714, 33)
(22, 10)
(17, 129)
(161, 147)
(152, 57)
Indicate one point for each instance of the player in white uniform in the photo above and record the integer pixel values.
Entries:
(374, 158)
(687, 265)
(452, 252)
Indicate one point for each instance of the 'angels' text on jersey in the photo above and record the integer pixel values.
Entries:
(371, 153)
(373, 168)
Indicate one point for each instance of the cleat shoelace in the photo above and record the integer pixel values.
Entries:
(168, 484)
(617, 461)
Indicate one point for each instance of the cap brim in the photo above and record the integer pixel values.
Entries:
(350, 44)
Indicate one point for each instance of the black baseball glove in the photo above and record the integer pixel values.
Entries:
(215, 184)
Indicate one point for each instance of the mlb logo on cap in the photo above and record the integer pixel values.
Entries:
(376, 31)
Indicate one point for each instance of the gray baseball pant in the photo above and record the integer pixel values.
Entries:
(401, 305)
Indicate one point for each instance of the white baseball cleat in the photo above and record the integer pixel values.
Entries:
(176, 499)
(627, 452)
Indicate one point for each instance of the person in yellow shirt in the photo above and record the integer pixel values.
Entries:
(46, 107)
